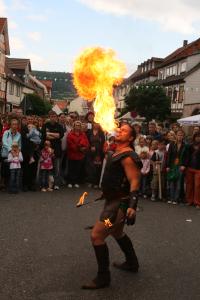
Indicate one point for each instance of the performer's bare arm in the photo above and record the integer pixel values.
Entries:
(133, 176)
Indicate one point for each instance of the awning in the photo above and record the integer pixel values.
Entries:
(190, 121)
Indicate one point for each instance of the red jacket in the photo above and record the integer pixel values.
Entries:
(74, 144)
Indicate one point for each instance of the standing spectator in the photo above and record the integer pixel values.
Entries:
(170, 138)
(69, 123)
(30, 152)
(145, 172)
(158, 162)
(95, 155)
(152, 131)
(175, 127)
(77, 145)
(138, 130)
(148, 141)
(141, 147)
(89, 119)
(193, 172)
(14, 159)
(46, 166)
(53, 132)
(9, 137)
(63, 161)
(40, 124)
(196, 129)
(153, 148)
(4, 126)
(176, 157)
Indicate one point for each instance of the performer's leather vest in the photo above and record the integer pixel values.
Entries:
(114, 182)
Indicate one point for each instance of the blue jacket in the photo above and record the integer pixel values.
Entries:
(7, 141)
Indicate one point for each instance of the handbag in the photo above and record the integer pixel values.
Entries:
(173, 173)
(4, 150)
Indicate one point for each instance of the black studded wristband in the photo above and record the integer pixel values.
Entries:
(133, 201)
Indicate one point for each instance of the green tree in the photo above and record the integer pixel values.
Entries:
(38, 105)
(149, 101)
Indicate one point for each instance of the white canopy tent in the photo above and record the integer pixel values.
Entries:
(190, 121)
(126, 116)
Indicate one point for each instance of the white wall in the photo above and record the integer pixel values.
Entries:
(192, 88)
(79, 105)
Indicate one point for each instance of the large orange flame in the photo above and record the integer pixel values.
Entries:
(96, 71)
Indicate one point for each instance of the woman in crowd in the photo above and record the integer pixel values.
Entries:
(170, 138)
(176, 157)
(138, 130)
(193, 172)
(95, 155)
(77, 145)
(10, 136)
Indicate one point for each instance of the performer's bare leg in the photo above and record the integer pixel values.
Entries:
(98, 237)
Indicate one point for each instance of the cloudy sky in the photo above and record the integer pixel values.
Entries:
(52, 33)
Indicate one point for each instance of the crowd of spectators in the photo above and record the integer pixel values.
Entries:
(47, 153)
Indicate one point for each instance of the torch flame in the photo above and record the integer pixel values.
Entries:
(96, 71)
(82, 199)
(108, 223)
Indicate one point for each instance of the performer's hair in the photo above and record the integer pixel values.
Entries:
(133, 132)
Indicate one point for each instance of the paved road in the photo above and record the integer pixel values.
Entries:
(45, 252)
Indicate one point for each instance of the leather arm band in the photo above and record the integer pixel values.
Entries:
(133, 201)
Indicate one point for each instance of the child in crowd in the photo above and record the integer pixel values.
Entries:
(149, 141)
(141, 147)
(145, 172)
(158, 183)
(35, 137)
(110, 144)
(46, 165)
(153, 148)
(15, 158)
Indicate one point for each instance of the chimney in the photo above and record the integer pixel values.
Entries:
(185, 42)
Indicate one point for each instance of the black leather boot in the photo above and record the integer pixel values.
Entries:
(102, 279)
(131, 264)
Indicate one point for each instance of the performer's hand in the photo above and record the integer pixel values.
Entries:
(130, 216)
(182, 168)
(131, 213)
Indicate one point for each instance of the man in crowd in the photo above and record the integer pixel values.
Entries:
(152, 131)
(30, 157)
(53, 132)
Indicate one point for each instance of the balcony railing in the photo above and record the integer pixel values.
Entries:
(177, 107)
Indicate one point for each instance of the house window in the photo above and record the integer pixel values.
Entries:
(183, 67)
(11, 89)
(160, 74)
(168, 72)
(17, 90)
(175, 93)
(181, 94)
(174, 70)
(170, 92)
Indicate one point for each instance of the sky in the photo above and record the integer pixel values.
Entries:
(53, 33)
